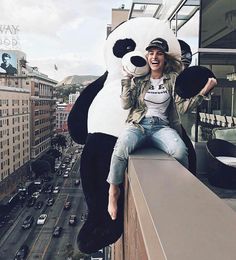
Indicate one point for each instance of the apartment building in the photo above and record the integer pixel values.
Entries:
(27, 118)
(73, 97)
(62, 113)
(43, 109)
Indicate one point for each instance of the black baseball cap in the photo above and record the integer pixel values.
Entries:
(158, 43)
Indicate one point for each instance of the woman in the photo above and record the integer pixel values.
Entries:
(153, 115)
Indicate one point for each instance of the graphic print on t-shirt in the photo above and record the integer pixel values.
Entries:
(157, 99)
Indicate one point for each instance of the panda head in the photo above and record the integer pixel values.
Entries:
(126, 45)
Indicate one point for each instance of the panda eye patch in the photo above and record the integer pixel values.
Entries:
(121, 47)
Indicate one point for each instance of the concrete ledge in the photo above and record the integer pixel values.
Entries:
(179, 217)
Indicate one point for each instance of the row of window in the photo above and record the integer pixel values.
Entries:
(13, 102)
(43, 102)
(4, 174)
(42, 121)
(41, 140)
(15, 111)
(41, 112)
(42, 130)
(5, 122)
(41, 149)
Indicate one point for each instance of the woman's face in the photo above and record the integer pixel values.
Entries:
(156, 60)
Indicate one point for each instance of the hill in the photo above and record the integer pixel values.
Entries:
(76, 80)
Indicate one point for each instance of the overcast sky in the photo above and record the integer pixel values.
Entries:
(68, 33)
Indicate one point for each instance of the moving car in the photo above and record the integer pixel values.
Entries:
(38, 204)
(56, 189)
(31, 202)
(28, 222)
(57, 231)
(35, 195)
(66, 174)
(50, 201)
(72, 220)
(22, 253)
(42, 219)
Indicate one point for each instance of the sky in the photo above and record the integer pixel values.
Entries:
(67, 33)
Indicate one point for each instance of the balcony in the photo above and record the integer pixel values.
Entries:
(170, 214)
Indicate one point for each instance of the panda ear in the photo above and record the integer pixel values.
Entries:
(190, 81)
(123, 46)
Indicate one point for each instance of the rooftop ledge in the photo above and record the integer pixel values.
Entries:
(171, 215)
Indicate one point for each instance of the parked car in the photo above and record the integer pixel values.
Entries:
(50, 201)
(31, 202)
(38, 204)
(28, 222)
(22, 253)
(57, 231)
(72, 220)
(42, 219)
(35, 195)
(67, 205)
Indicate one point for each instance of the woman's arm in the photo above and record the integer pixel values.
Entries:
(128, 92)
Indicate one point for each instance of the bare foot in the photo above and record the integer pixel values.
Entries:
(114, 193)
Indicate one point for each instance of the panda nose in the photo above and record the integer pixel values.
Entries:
(138, 61)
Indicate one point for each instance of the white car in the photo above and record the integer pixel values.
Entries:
(56, 189)
(35, 194)
(42, 219)
(66, 174)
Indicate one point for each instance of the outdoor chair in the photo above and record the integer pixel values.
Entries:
(221, 163)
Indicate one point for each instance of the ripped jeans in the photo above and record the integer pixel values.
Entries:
(153, 131)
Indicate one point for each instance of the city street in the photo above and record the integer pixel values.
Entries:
(39, 238)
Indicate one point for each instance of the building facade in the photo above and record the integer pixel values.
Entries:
(62, 113)
(27, 118)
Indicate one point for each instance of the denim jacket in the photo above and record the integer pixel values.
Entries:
(133, 93)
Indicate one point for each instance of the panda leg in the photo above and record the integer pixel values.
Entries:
(99, 230)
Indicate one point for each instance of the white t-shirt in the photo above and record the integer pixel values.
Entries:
(157, 99)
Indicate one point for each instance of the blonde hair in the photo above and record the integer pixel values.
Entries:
(172, 64)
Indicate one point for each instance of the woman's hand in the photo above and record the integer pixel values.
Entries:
(126, 74)
(211, 83)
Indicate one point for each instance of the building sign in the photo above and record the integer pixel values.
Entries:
(9, 38)
(8, 62)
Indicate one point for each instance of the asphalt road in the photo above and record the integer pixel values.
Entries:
(42, 245)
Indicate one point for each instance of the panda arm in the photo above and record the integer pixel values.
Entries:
(77, 119)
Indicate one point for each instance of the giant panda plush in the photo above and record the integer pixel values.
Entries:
(97, 119)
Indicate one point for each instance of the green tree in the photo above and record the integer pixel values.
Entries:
(41, 168)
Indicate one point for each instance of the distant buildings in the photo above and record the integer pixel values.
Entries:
(27, 118)
(73, 97)
(62, 113)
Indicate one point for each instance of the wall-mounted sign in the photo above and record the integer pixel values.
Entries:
(8, 62)
(9, 36)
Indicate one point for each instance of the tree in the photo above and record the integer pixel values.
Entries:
(40, 168)
(59, 140)
(50, 159)
(54, 152)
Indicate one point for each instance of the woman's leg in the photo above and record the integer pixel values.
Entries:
(131, 138)
(169, 141)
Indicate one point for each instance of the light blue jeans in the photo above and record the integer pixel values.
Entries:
(155, 132)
